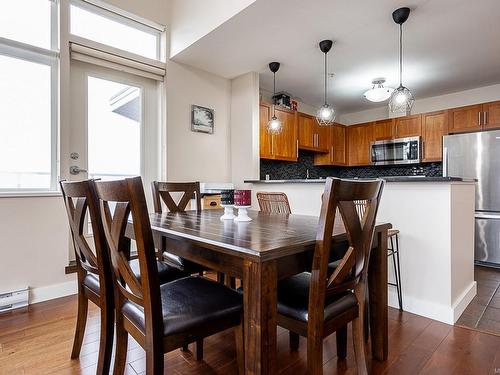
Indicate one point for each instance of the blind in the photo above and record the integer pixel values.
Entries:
(110, 60)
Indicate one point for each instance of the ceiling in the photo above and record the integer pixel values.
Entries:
(449, 46)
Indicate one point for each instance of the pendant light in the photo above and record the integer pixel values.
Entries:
(274, 125)
(378, 93)
(326, 114)
(402, 98)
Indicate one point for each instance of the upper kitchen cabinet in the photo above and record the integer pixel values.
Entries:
(282, 146)
(312, 137)
(434, 127)
(266, 141)
(465, 119)
(383, 130)
(359, 138)
(491, 115)
(337, 147)
(408, 126)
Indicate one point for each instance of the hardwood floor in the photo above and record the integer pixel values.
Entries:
(39, 342)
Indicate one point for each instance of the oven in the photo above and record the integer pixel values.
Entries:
(396, 151)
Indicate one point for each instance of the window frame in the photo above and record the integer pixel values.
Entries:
(49, 57)
(119, 16)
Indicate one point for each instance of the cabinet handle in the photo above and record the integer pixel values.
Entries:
(485, 118)
(423, 152)
(314, 141)
(332, 155)
(479, 118)
(272, 145)
(297, 150)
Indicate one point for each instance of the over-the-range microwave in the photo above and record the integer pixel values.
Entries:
(396, 151)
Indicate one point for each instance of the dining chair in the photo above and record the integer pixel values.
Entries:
(94, 272)
(162, 192)
(273, 203)
(164, 317)
(393, 251)
(315, 304)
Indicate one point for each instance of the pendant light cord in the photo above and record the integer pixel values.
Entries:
(326, 101)
(274, 94)
(401, 55)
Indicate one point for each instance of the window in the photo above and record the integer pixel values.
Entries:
(28, 95)
(114, 30)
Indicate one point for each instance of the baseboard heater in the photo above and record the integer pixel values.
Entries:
(14, 300)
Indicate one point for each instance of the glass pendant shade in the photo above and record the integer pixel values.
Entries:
(378, 94)
(274, 126)
(401, 100)
(325, 115)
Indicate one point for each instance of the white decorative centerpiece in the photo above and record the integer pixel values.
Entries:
(227, 201)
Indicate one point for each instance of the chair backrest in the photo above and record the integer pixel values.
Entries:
(162, 191)
(274, 203)
(79, 199)
(129, 202)
(341, 196)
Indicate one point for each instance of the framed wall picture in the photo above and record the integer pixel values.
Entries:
(202, 119)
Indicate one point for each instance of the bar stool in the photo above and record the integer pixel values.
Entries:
(393, 251)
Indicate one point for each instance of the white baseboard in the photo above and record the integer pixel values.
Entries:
(440, 312)
(49, 292)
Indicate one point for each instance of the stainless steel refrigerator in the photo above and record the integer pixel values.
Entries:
(477, 155)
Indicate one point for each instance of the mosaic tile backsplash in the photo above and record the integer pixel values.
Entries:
(283, 170)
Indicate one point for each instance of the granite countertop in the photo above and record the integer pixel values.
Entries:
(388, 179)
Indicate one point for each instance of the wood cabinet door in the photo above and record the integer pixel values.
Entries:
(359, 138)
(465, 119)
(285, 144)
(383, 129)
(338, 142)
(323, 138)
(408, 126)
(491, 115)
(265, 138)
(307, 131)
(434, 127)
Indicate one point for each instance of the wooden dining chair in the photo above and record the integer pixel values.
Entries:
(164, 317)
(316, 304)
(162, 192)
(273, 203)
(94, 267)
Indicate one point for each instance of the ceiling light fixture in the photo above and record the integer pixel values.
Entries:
(274, 125)
(378, 93)
(401, 99)
(326, 114)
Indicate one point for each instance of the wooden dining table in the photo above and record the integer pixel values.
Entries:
(261, 252)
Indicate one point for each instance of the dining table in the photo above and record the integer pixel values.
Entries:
(261, 252)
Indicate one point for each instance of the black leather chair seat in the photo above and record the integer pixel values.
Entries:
(293, 299)
(166, 273)
(191, 303)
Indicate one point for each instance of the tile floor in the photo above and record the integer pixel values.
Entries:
(483, 313)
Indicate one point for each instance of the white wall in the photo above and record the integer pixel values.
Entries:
(190, 20)
(190, 155)
(435, 103)
(244, 128)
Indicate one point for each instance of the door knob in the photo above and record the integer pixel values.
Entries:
(74, 170)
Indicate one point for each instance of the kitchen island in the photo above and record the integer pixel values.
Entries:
(435, 217)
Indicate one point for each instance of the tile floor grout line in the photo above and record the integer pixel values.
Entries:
(485, 307)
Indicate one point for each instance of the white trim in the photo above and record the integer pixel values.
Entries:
(463, 301)
(104, 57)
(53, 291)
(123, 13)
(29, 194)
(28, 50)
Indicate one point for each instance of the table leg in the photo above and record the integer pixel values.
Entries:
(377, 286)
(260, 314)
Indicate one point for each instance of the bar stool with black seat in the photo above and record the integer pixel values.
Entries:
(94, 268)
(273, 202)
(315, 305)
(164, 317)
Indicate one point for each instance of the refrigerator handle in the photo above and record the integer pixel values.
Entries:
(445, 162)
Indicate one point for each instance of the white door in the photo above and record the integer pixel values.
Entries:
(115, 128)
